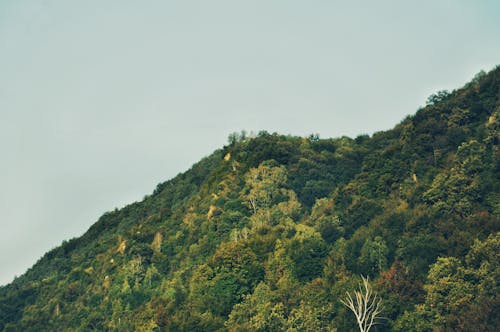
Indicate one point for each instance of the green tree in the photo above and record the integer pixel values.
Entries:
(373, 258)
(462, 296)
(263, 186)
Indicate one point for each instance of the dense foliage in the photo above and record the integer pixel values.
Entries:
(268, 233)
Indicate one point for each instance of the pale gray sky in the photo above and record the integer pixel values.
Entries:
(102, 100)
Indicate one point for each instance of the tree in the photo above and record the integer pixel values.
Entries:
(374, 255)
(437, 97)
(366, 305)
(263, 186)
(307, 250)
(457, 190)
(461, 296)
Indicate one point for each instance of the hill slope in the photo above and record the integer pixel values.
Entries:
(268, 233)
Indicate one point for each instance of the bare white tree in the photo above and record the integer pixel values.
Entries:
(365, 304)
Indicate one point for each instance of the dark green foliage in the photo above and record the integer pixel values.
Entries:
(269, 232)
(307, 254)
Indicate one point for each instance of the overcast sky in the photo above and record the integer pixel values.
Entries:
(102, 100)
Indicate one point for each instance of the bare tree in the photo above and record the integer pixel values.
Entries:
(366, 305)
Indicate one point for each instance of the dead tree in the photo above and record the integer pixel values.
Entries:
(365, 304)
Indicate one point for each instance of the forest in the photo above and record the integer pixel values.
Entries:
(273, 232)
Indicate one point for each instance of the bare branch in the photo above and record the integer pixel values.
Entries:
(366, 305)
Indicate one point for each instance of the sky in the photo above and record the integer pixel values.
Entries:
(102, 100)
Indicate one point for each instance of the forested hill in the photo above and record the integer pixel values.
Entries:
(269, 232)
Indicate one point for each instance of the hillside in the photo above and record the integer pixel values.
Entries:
(269, 232)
